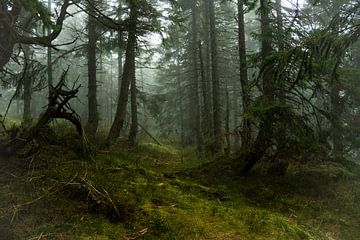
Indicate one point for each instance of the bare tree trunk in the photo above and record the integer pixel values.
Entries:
(27, 83)
(227, 123)
(120, 51)
(207, 68)
(134, 116)
(246, 127)
(196, 114)
(49, 59)
(236, 118)
(280, 25)
(218, 138)
(282, 129)
(7, 36)
(207, 126)
(336, 113)
(181, 102)
(120, 60)
(93, 118)
(129, 70)
(336, 104)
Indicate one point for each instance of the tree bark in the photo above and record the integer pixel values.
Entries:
(246, 127)
(129, 70)
(218, 138)
(196, 112)
(207, 69)
(93, 117)
(227, 123)
(27, 83)
(181, 104)
(49, 59)
(134, 116)
(206, 95)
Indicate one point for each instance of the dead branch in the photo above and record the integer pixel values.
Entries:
(58, 108)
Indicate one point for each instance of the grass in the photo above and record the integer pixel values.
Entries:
(161, 192)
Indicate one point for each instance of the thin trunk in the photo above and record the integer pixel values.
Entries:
(280, 26)
(120, 61)
(27, 86)
(120, 55)
(282, 129)
(236, 118)
(49, 59)
(336, 104)
(181, 94)
(207, 67)
(207, 126)
(128, 74)
(266, 48)
(93, 118)
(134, 116)
(218, 138)
(227, 123)
(246, 128)
(336, 113)
(195, 91)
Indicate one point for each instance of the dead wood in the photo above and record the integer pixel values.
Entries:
(58, 108)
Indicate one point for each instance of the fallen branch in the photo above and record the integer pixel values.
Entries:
(151, 136)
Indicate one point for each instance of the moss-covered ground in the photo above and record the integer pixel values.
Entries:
(162, 192)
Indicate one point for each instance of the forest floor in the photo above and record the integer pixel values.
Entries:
(161, 192)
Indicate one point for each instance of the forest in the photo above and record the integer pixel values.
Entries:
(180, 119)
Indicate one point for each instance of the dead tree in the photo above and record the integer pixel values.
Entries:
(58, 108)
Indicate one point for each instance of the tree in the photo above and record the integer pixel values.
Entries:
(93, 116)
(218, 138)
(246, 128)
(266, 126)
(127, 77)
(9, 34)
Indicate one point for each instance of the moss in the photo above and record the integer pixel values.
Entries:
(174, 206)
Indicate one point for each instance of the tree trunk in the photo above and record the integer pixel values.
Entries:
(282, 129)
(27, 86)
(134, 116)
(181, 103)
(336, 113)
(196, 112)
(336, 103)
(49, 59)
(129, 70)
(227, 123)
(7, 25)
(236, 118)
(206, 119)
(246, 127)
(280, 25)
(218, 138)
(207, 68)
(93, 118)
(266, 129)
(120, 51)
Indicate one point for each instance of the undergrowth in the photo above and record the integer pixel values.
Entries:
(162, 192)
